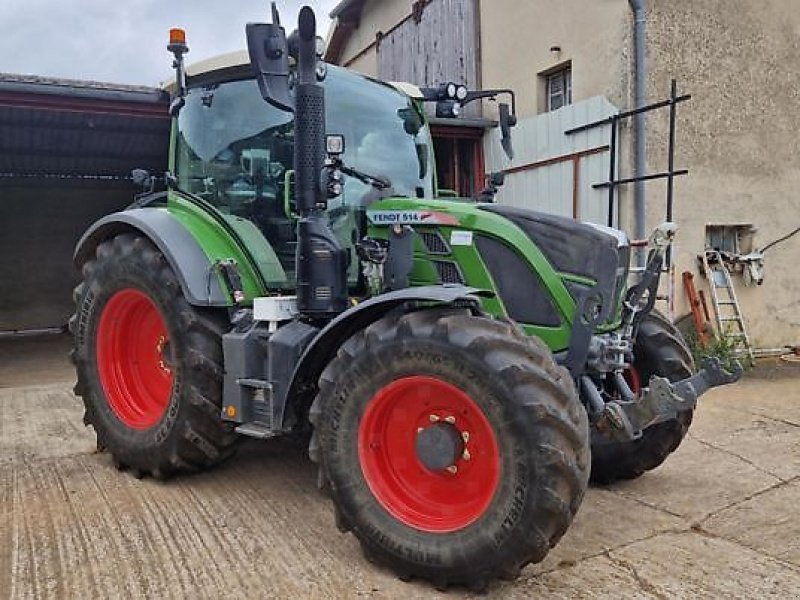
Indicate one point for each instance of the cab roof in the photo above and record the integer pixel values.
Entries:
(237, 64)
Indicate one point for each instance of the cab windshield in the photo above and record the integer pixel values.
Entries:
(236, 151)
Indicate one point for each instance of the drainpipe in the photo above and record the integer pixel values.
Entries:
(640, 122)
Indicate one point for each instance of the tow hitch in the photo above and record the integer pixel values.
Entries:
(662, 400)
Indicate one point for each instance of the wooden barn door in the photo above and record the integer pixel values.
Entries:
(438, 44)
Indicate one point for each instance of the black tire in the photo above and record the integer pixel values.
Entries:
(190, 434)
(536, 417)
(659, 349)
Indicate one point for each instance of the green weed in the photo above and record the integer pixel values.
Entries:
(722, 348)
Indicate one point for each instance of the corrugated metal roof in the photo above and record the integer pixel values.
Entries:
(79, 143)
(38, 84)
(77, 129)
(77, 83)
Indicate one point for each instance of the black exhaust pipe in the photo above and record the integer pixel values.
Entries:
(321, 261)
(309, 125)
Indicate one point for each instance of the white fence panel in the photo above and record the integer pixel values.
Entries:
(542, 175)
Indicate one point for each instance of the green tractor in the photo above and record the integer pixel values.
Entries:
(460, 368)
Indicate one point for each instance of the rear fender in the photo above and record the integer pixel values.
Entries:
(197, 276)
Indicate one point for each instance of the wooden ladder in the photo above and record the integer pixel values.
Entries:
(727, 311)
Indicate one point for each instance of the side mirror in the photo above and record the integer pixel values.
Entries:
(496, 179)
(269, 57)
(507, 121)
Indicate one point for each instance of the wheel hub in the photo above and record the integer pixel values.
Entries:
(439, 446)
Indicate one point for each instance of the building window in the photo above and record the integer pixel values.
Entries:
(559, 88)
(736, 238)
(459, 159)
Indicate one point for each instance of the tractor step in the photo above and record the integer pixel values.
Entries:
(260, 406)
(256, 429)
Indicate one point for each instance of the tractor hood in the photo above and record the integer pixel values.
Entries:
(571, 246)
(577, 251)
(540, 266)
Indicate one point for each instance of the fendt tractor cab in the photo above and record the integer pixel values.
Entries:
(460, 368)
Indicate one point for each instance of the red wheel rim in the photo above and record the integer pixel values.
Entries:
(131, 343)
(437, 501)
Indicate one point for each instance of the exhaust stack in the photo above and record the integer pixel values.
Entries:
(321, 261)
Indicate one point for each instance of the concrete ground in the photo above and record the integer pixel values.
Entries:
(719, 519)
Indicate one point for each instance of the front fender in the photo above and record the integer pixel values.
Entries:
(325, 345)
(197, 276)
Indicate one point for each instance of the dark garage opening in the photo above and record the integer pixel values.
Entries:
(66, 152)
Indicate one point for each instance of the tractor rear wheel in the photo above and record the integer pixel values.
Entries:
(149, 364)
(452, 445)
(659, 349)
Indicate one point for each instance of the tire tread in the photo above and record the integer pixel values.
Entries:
(537, 386)
(203, 440)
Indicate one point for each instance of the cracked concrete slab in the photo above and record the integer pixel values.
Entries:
(764, 523)
(767, 397)
(597, 578)
(607, 520)
(686, 564)
(753, 439)
(751, 428)
(72, 525)
(698, 480)
(692, 565)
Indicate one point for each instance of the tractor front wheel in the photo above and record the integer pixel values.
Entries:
(659, 349)
(149, 365)
(453, 446)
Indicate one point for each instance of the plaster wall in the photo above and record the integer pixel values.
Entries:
(738, 135)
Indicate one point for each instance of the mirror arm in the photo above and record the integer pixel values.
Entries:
(430, 94)
(476, 95)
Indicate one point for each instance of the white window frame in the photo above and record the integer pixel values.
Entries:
(562, 77)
